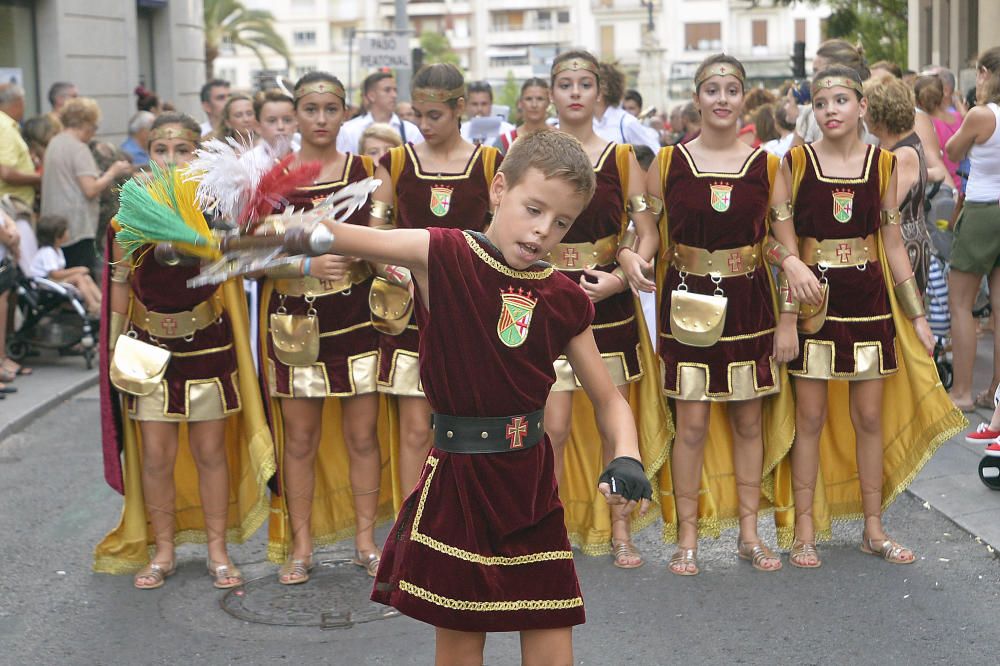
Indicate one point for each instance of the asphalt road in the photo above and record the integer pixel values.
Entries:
(54, 506)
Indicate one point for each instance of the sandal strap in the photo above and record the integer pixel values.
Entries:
(295, 568)
(684, 556)
(757, 553)
(802, 550)
(890, 550)
(156, 571)
(370, 562)
(224, 570)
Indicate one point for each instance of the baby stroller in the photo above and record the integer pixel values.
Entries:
(989, 466)
(52, 316)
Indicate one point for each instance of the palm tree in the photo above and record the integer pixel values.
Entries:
(230, 22)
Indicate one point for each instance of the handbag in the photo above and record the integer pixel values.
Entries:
(812, 317)
(295, 337)
(697, 320)
(391, 306)
(137, 367)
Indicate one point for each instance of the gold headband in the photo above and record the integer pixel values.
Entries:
(438, 95)
(575, 64)
(174, 132)
(834, 81)
(718, 69)
(320, 87)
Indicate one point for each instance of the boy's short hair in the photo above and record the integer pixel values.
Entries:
(480, 87)
(556, 154)
(49, 229)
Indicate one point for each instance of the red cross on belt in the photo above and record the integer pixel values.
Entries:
(169, 325)
(570, 256)
(517, 430)
(844, 252)
(735, 261)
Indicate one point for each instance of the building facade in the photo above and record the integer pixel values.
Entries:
(106, 48)
(951, 33)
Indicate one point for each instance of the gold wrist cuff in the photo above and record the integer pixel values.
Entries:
(637, 204)
(628, 240)
(655, 205)
(781, 212)
(116, 328)
(786, 301)
(910, 300)
(382, 211)
(619, 273)
(891, 216)
(120, 272)
(775, 252)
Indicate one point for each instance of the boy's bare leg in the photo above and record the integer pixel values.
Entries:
(414, 440)
(558, 422)
(547, 647)
(458, 648)
(360, 428)
(208, 448)
(686, 463)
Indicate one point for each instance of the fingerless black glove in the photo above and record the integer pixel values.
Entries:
(627, 477)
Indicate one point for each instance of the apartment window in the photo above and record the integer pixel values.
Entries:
(564, 17)
(800, 30)
(544, 21)
(760, 32)
(503, 21)
(607, 41)
(304, 37)
(702, 36)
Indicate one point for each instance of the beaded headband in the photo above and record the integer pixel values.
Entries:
(718, 69)
(834, 81)
(320, 87)
(575, 64)
(174, 132)
(437, 95)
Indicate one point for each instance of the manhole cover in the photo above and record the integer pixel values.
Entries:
(336, 597)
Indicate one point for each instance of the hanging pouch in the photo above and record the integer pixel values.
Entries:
(137, 367)
(296, 337)
(697, 320)
(812, 317)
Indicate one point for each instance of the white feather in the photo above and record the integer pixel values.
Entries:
(227, 172)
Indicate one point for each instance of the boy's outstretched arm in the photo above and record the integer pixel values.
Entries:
(624, 480)
(399, 247)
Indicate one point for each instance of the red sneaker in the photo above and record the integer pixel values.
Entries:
(993, 450)
(983, 435)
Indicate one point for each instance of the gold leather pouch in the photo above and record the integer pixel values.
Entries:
(137, 367)
(296, 338)
(391, 306)
(697, 320)
(812, 317)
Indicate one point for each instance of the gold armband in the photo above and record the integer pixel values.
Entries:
(382, 211)
(116, 328)
(655, 205)
(891, 216)
(636, 204)
(786, 301)
(619, 273)
(781, 212)
(775, 252)
(120, 272)
(910, 300)
(627, 241)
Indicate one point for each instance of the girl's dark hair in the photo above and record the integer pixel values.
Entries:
(441, 75)
(990, 61)
(49, 229)
(534, 82)
(612, 83)
(929, 92)
(176, 118)
(580, 54)
(842, 71)
(268, 96)
(842, 52)
(313, 77)
(723, 59)
(764, 123)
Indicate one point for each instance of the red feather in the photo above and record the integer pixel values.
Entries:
(274, 189)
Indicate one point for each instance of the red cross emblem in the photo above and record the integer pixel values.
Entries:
(786, 295)
(570, 256)
(844, 252)
(394, 273)
(169, 325)
(735, 261)
(517, 430)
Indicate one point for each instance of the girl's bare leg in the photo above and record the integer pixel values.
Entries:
(686, 463)
(458, 648)
(414, 439)
(810, 417)
(208, 448)
(962, 290)
(159, 452)
(360, 428)
(302, 419)
(748, 463)
(558, 422)
(547, 647)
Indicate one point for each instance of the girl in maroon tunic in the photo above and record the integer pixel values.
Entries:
(716, 192)
(844, 197)
(441, 182)
(334, 289)
(480, 544)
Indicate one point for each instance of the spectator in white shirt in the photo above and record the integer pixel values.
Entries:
(479, 104)
(50, 262)
(380, 98)
(214, 96)
(611, 122)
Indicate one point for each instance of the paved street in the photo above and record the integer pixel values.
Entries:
(856, 609)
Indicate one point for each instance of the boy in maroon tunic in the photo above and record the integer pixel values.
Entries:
(480, 544)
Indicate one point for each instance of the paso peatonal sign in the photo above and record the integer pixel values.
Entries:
(385, 50)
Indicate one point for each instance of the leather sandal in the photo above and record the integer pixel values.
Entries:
(222, 572)
(681, 561)
(295, 571)
(158, 572)
(800, 554)
(624, 550)
(369, 563)
(755, 554)
(890, 551)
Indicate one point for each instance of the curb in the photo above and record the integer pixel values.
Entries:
(963, 525)
(22, 421)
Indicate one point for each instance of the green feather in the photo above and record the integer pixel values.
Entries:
(144, 220)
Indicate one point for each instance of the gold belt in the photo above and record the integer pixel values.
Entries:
(176, 324)
(838, 252)
(724, 263)
(578, 256)
(310, 286)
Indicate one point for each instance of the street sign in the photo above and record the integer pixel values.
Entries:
(387, 49)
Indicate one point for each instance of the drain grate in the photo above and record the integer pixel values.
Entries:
(336, 597)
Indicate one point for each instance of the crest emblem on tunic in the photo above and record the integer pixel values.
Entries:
(516, 310)
(722, 196)
(441, 200)
(843, 205)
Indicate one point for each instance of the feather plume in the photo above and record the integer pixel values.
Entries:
(227, 172)
(142, 219)
(274, 188)
(172, 189)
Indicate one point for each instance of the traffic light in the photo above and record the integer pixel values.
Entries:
(417, 56)
(799, 60)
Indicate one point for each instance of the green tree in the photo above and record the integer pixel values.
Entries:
(509, 94)
(437, 48)
(228, 21)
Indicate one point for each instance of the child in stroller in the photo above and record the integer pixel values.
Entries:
(49, 262)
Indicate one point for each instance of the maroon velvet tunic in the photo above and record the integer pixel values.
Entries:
(163, 289)
(616, 330)
(424, 200)
(747, 338)
(480, 544)
(346, 313)
(858, 314)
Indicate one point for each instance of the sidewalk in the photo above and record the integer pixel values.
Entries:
(55, 378)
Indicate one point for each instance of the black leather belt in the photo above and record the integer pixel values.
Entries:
(489, 434)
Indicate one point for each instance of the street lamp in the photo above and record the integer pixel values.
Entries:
(648, 4)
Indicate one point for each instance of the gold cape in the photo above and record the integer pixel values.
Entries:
(333, 498)
(249, 452)
(718, 503)
(917, 417)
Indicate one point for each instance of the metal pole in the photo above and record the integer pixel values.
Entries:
(402, 22)
(350, 65)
